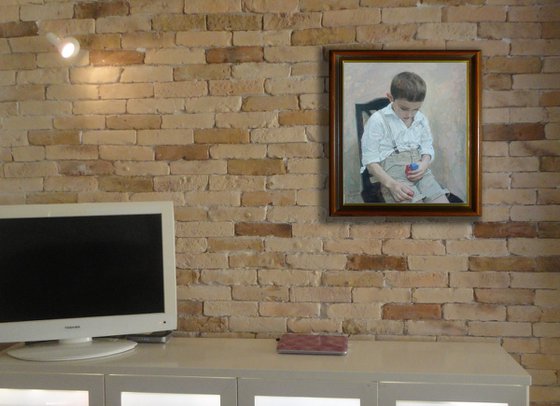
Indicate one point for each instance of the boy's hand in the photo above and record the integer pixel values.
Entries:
(417, 174)
(400, 191)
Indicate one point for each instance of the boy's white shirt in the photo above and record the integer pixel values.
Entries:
(377, 144)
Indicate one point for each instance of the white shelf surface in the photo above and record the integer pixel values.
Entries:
(395, 361)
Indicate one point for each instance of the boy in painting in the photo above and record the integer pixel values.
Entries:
(397, 145)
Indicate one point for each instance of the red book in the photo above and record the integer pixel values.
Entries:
(315, 344)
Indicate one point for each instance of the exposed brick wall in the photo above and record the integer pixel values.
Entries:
(221, 106)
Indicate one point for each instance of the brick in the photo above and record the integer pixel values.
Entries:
(141, 169)
(221, 136)
(22, 61)
(85, 168)
(126, 153)
(442, 295)
(212, 104)
(260, 294)
(267, 103)
(180, 89)
(254, 38)
(308, 117)
(358, 311)
(46, 12)
(501, 230)
(479, 280)
(354, 247)
(447, 31)
(256, 167)
(119, 58)
(204, 38)
(271, 6)
(443, 230)
(417, 311)
(292, 54)
(509, 30)
(275, 198)
(101, 9)
(292, 21)
(179, 56)
(505, 296)
(447, 263)
(535, 213)
(322, 36)
(187, 152)
(155, 6)
(229, 308)
(72, 152)
(380, 294)
(202, 71)
(100, 107)
(234, 22)
(18, 29)
(271, 260)
(376, 262)
(142, 73)
(234, 55)
(263, 229)
(123, 24)
(272, 309)
(134, 121)
(105, 74)
(30, 169)
(516, 65)
(549, 230)
(477, 247)
(317, 261)
(258, 324)
(479, 312)
(403, 15)
(412, 247)
(72, 92)
(475, 14)
(386, 32)
(499, 329)
(363, 16)
(354, 279)
(505, 264)
(19, 185)
(413, 279)
(53, 137)
(436, 328)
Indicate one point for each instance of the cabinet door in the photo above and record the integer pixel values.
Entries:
(147, 390)
(306, 392)
(411, 394)
(39, 389)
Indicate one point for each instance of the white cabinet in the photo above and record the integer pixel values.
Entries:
(145, 390)
(407, 394)
(249, 372)
(41, 389)
(304, 392)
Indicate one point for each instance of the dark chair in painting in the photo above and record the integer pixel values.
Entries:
(371, 192)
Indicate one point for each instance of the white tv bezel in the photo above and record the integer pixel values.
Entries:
(87, 327)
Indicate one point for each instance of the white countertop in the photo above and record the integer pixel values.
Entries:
(430, 362)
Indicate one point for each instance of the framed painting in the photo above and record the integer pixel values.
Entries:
(404, 133)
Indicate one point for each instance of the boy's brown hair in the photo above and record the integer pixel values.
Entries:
(408, 86)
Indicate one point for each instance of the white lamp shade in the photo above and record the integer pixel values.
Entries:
(67, 47)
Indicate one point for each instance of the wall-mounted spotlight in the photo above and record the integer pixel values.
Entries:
(68, 47)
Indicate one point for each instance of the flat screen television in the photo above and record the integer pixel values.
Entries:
(73, 272)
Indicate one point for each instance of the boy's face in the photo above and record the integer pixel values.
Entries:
(405, 110)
